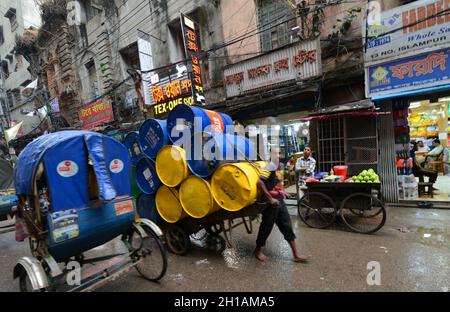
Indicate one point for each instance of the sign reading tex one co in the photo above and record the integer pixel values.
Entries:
(411, 29)
(296, 62)
(414, 72)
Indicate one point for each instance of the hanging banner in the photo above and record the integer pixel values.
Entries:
(96, 113)
(417, 27)
(415, 72)
(191, 37)
(146, 62)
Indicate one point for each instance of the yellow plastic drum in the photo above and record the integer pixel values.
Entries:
(171, 165)
(196, 197)
(168, 204)
(234, 186)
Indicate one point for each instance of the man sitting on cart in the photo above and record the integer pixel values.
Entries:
(271, 185)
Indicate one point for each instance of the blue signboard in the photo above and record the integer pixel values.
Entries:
(416, 72)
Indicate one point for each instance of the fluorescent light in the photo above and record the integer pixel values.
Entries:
(414, 105)
(445, 99)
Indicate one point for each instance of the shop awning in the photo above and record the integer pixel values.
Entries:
(338, 115)
(353, 109)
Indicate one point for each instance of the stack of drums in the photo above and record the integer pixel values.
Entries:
(200, 178)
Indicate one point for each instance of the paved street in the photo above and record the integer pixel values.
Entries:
(417, 258)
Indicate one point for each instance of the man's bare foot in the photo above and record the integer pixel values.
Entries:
(301, 259)
(259, 255)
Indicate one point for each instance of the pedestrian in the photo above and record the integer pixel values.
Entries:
(305, 166)
(275, 212)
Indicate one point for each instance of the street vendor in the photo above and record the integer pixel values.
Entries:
(271, 186)
(305, 166)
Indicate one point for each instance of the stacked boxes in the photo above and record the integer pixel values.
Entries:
(408, 187)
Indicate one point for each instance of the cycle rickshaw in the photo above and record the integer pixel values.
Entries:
(73, 191)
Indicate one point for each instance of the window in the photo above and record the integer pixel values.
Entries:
(92, 9)
(271, 13)
(9, 96)
(177, 40)
(11, 15)
(5, 69)
(2, 37)
(93, 81)
(130, 57)
(84, 36)
(17, 97)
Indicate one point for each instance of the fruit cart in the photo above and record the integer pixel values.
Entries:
(209, 228)
(359, 205)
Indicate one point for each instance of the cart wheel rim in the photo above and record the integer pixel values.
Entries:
(177, 240)
(366, 216)
(317, 210)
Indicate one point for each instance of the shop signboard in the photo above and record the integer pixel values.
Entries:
(191, 35)
(170, 87)
(96, 113)
(414, 72)
(411, 29)
(299, 61)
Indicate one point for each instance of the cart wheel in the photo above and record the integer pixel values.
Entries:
(363, 213)
(178, 240)
(25, 283)
(317, 210)
(151, 254)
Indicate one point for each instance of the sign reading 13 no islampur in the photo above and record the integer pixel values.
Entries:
(405, 47)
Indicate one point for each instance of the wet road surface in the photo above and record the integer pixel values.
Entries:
(413, 250)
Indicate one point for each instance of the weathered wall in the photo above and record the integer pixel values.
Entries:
(240, 17)
(116, 29)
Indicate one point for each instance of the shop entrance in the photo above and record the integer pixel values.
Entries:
(422, 131)
(350, 141)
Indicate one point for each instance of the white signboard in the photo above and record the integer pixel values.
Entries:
(407, 30)
(297, 62)
(146, 61)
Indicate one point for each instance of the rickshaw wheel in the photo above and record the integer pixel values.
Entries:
(151, 253)
(178, 240)
(25, 283)
(317, 210)
(363, 213)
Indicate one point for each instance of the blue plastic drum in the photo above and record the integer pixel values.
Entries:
(182, 118)
(153, 136)
(146, 208)
(146, 176)
(131, 142)
(208, 152)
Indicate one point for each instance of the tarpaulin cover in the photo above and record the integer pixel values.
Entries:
(65, 157)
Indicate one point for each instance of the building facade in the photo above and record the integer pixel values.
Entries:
(16, 102)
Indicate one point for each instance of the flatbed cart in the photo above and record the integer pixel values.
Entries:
(359, 205)
(178, 235)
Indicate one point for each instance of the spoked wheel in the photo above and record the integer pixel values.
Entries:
(317, 210)
(363, 213)
(151, 253)
(25, 283)
(178, 240)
